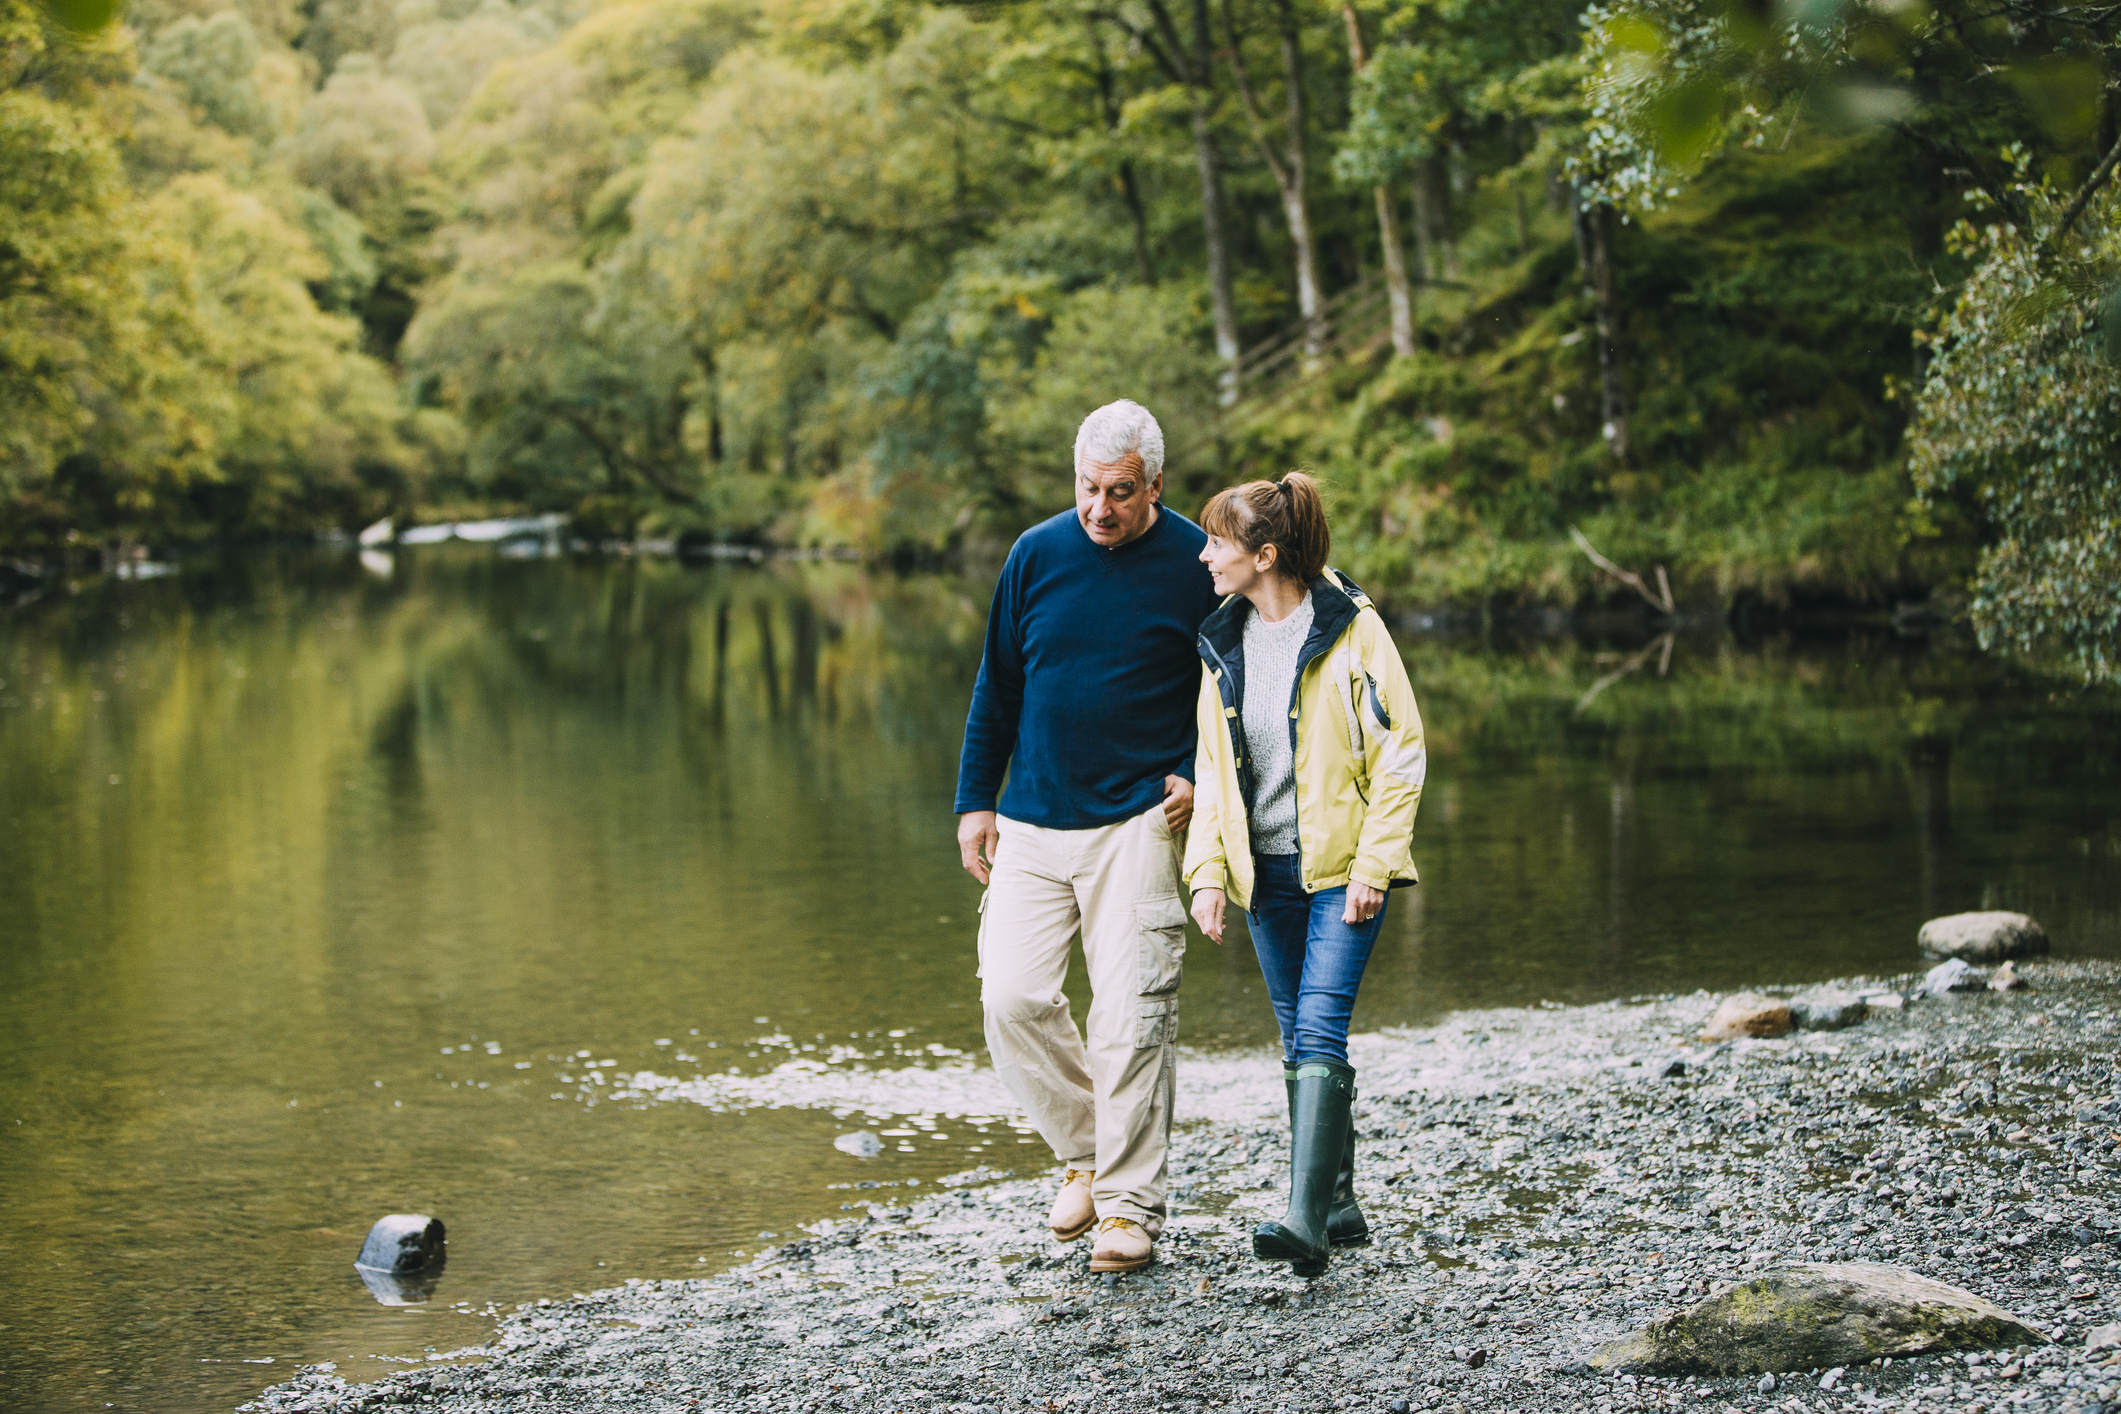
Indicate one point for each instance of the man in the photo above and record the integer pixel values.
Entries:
(1086, 697)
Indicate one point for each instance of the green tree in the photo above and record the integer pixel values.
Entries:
(98, 388)
(2022, 406)
(364, 138)
(211, 63)
(313, 439)
(444, 61)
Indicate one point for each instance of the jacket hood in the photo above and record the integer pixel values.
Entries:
(1335, 601)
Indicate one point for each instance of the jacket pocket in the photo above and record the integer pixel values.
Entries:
(1160, 946)
(1155, 1023)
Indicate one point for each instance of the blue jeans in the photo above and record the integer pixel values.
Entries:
(1312, 962)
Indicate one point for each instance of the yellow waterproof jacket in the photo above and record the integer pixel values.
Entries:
(1357, 744)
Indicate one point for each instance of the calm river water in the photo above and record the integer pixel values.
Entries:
(325, 895)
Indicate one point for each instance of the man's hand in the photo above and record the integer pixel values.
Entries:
(1363, 903)
(1208, 905)
(977, 836)
(1178, 803)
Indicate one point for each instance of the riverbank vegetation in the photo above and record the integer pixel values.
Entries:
(1766, 303)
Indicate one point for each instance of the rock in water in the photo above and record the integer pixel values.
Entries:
(1982, 937)
(2006, 979)
(862, 1144)
(1951, 975)
(403, 1242)
(1747, 1014)
(1827, 1011)
(1809, 1315)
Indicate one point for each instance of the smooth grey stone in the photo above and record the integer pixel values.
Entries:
(1807, 1315)
(403, 1242)
(1828, 1011)
(1982, 937)
(1952, 975)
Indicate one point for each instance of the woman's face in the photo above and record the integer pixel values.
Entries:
(1236, 570)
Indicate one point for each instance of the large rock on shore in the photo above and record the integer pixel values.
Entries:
(1827, 1011)
(1747, 1014)
(1982, 937)
(1809, 1315)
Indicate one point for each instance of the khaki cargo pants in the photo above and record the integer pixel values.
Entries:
(1106, 1106)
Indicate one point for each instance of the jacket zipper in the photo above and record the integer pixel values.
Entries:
(1233, 722)
(1296, 787)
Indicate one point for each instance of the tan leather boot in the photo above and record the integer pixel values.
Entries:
(1074, 1213)
(1122, 1246)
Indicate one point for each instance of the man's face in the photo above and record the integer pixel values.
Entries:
(1114, 501)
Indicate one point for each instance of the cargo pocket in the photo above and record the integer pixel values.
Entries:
(1160, 946)
(1155, 1023)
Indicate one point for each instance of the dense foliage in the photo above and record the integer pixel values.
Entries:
(848, 271)
(2023, 405)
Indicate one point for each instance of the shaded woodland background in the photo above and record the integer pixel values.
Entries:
(1809, 303)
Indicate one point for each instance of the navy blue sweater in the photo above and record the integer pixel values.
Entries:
(1090, 675)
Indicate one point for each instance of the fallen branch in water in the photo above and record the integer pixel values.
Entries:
(1660, 601)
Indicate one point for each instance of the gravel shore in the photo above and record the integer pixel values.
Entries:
(1540, 1181)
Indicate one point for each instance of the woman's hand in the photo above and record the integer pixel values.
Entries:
(1208, 907)
(1363, 903)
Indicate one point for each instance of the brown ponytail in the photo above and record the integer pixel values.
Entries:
(1288, 514)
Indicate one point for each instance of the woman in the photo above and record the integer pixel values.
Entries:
(1309, 772)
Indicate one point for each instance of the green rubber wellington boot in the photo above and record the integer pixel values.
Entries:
(1345, 1224)
(1318, 1124)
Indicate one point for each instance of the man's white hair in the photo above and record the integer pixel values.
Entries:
(1117, 429)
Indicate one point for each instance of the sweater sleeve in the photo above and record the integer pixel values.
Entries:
(997, 701)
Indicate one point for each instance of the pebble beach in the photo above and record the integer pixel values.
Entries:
(1538, 1181)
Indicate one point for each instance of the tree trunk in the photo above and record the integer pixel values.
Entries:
(1594, 240)
(1432, 218)
(1397, 288)
(1220, 298)
(1295, 195)
(1297, 213)
(1426, 253)
(1291, 168)
(711, 380)
(1131, 193)
(1191, 62)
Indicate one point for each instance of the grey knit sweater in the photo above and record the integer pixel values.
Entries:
(1270, 677)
